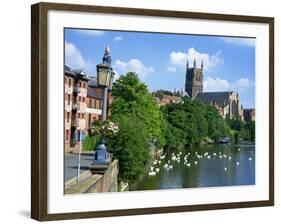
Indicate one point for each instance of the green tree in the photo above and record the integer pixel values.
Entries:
(192, 122)
(132, 97)
(131, 147)
(140, 122)
(90, 143)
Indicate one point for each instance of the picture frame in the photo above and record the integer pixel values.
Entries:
(40, 103)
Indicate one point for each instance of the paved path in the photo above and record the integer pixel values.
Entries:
(71, 163)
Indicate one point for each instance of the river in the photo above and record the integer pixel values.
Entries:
(201, 166)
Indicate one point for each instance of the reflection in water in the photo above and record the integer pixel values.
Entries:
(217, 165)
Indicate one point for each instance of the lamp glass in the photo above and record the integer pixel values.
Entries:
(103, 79)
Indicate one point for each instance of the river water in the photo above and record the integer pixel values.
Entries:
(201, 166)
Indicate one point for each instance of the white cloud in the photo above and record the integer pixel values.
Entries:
(171, 69)
(250, 42)
(180, 58)
(217, 84)
(117, 38)
(73, 57)
(133, 65)
(91, 32)
(242, 84)
(117, 75)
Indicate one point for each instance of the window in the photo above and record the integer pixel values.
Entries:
(80, 84)
(82, 115)
(67, 116)
(84, 85)
(66, 135)
(68, 99)
(69, 82)
(94, 104)
(78, 115)
(79, 98)
(83, 99)
(90, 102)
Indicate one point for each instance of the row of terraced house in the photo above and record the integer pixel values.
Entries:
(83, 105)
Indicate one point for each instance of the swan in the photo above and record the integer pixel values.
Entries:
(157, 170)
(152, 173)
(237, 163)
(250, 159)
(225, 168)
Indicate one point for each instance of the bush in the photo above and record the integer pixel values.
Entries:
(90, 143)
(131, 147)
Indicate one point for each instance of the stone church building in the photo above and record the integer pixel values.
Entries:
(227, 102)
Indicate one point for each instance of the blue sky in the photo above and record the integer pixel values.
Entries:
(160, 59)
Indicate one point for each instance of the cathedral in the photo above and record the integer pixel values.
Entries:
(227, 102)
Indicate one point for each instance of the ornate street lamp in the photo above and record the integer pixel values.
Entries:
(105, 77)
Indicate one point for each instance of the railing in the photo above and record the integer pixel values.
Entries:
(74, 123)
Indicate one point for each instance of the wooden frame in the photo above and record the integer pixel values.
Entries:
(39, 106)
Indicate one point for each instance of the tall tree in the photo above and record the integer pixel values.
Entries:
(140, 122)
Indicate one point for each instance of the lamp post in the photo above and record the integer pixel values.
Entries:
(105, 77)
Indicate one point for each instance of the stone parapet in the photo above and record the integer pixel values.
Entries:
(95, 183)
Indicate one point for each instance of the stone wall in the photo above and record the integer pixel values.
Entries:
(106, 182)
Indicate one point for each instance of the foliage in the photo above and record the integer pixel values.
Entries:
(131, 147)
(245, 129)
(192, 122)
(140, 122)
(105, 129)
(90, 143)
(160, 93)
(250, 125)
(131, 97)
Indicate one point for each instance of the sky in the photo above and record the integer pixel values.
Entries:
(160, 59)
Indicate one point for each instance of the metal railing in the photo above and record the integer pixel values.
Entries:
(74, 122)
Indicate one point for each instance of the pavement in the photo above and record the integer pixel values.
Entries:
(71, 164)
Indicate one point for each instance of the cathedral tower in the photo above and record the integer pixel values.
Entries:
(194, 80)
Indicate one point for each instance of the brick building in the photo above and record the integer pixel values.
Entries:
(83, 105)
